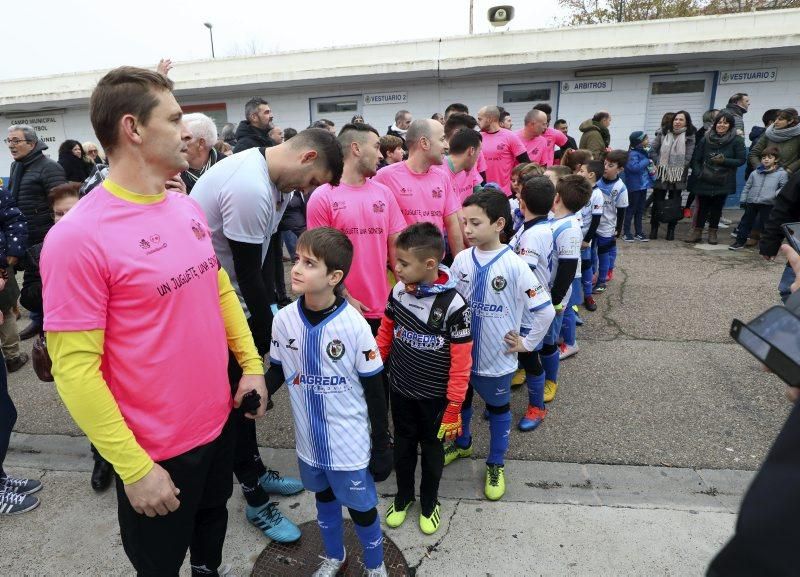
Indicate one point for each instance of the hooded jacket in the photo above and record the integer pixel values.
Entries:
(636, 175)
(762, 187)
(595, 137)
(31, 180)
(248, 136)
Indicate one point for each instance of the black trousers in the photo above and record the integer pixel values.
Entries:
(710, 210)
(247, 464)
(156, 546)
(416, 424)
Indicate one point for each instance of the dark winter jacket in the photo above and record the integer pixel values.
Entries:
(788, 152)
(734, 154)
(595, 138)
(31, 180)
(786, 208)
(13, 229)
(294, 218)
(738, 117)
(755, 133)
(636, 175)
(75, 169)
(190, 176)
(248, 136)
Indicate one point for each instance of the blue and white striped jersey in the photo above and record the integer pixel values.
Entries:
(593, 208)
(533, 243)
(500, 287)
(567, 239)
(322, 365)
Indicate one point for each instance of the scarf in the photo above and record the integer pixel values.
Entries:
(719, 141)
(398, 130)
(603, 132)
(193, 175)
(672, 156)
(443, 283)
(782, 134)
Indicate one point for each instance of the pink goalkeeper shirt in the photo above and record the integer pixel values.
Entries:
(368, 215)
(142, 269)
(554, 138)
(501, 150)
(427, 197)
(536, 147)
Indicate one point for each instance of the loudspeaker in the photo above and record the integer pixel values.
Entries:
(500, 15)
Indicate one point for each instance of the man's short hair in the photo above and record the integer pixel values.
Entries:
(332, 247)
(504, 114)
(492, 111)
(401, 114)
(201, 126)
(736, 98)
(252, 106)
(595, 167)
(574, 191)
(322, 123)
(544, 107)
(457, 121)
(351, 133)
(600, 116)
(531, 115)
(456, 107)
(493, 202)
(27, 131)
(329, 151)
(289, 133)
(538, 194)
(390, 143)
(228, 132)
(124, 90)
(424, 239)
(559, 122)
(421, 128)
(463, 139)
(618, 157)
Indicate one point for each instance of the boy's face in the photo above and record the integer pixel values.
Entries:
(411, 269)
(310, 274)
(583, 170)
(769, 161)
(477, 227)
(611, 170)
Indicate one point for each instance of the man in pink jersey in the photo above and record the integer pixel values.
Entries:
(457, 120)
(502, 149)
(422, 188)
(553, 136)
(139, 320)
(532, 137)
(462, 161)
(368, 214)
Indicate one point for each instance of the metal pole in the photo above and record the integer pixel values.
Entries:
(471, 11)
(211, 32)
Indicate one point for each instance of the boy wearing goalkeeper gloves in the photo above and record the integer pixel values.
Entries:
(501, 290)
(426, 338)
(324, 351)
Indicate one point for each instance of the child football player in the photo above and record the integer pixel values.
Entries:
(425, 336)
(500, 289)
(324, 351)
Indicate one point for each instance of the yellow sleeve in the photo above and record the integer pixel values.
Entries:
(240, 339)
(76, 367)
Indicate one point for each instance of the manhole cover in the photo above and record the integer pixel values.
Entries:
(302, 558)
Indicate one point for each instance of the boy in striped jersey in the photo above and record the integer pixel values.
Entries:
(500, 289)
(534, 244)
(324, 351)
(426, 335)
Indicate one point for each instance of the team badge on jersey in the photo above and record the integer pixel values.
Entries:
(437, 192)
(335, 349)
(499, 283)
(378, 206)
(198, 230)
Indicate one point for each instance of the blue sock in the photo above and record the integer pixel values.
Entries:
(371, 539)
(329, 519)
(466, 436)
(550, 365)
(568, 326)
(535, 389)
(499, 430)
(612, 257)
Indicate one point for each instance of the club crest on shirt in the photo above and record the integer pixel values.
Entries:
(378, 206)
(437, 192)
(499, 283)
(437, 315)
(501, 146)
(335, 349)
(198, 230)
(339, 205)
(405, 192)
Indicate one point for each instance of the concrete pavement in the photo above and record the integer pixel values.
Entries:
(556, 519)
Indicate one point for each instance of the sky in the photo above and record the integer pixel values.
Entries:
(47, 37)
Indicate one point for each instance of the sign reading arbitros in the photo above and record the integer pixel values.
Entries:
(740, 76)
(586, 85)
(386, 98)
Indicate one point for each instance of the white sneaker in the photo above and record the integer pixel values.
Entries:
(567, 351)
(377, 572)
(330, 567)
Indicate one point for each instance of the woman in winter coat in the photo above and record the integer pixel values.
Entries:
(783, 134)
(715, 161)
(71, 158)
(671, 152)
